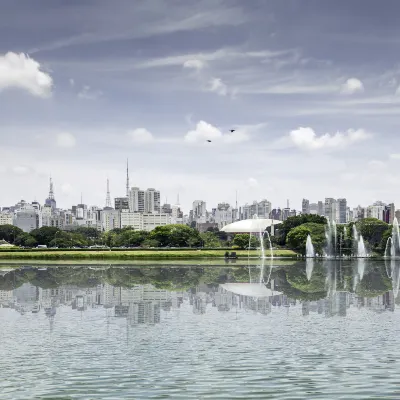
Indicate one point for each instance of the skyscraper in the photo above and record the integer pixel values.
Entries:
(330, 209)
(341, 218)
(305, 206)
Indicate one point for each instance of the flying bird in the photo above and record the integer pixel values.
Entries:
(209, 141)
(232, 130)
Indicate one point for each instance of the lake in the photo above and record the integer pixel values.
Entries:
(280, 330)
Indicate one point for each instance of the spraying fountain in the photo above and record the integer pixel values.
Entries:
(261, 235)
(331, 239)
(359, 249)
(310, 253)
(393, 250)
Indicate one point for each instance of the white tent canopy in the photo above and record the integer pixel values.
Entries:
(250, 225)
(250, 289)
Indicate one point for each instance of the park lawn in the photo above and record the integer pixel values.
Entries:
(131, 255)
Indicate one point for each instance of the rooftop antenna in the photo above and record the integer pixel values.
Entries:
(108, 198)
(81, 198)
(287, 206)
(177, 200)
(51, 191)
(236, 201)
(127, 178)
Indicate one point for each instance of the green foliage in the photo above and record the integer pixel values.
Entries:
(372, 230)
(297, 237)
(293, 222)
(210, 239)
(45, 234)
(9, 233)
(175, 236)
(242, 240)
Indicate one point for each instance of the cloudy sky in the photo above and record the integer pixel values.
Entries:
(312, 89)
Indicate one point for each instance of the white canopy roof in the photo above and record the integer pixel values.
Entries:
(250, 225)
(250, 289)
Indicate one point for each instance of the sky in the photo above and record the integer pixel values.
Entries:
(311, 90)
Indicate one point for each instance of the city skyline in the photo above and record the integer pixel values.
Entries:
(85, 86)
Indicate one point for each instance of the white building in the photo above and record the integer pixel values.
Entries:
(152, 201)
(376, 210)
(6, 218)
(223, 215)
(144, 221)
(109, 219)
(330, 209)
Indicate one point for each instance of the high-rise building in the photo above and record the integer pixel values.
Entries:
(314, 208)
(199, 211)
(389, 213)
(136, 200)
(376, 210)
(121, 203)
(330, 209)
(152, 201)
(321, 209)
(341, 216)
(223, 215)
(305, 206)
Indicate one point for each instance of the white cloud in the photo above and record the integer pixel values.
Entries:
(89, 94)
(352, 85)
(205, 131)
(20, 170)
(219, 87)
(141, 135)
(395, 156)
(194, 64)
(307, 139)
(72, 82)
(22, 72)
(252, 182)
(66, 140)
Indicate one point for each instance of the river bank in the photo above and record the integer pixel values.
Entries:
(43, 254)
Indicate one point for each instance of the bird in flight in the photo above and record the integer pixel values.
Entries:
(209, 141)
(232, 130)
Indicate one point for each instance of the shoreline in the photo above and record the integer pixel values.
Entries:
(71, 255)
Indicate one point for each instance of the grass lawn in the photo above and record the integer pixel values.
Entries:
(132, 254)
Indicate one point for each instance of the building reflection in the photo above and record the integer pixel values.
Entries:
(145, 304)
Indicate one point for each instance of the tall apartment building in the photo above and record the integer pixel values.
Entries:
(389, 213)
(305, 206)
(330, 209)
(144, 200)
(321, 209)
(199, 211)
(314, 208)
(121, 203)
(341, 216)
(376, 210)
(223, 215)
(152, 201)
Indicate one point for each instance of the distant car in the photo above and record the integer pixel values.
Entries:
(41, 246)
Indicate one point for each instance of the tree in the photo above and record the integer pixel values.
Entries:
(242, 241)
(297, 237)
(293, 222)
(210, 239)
(372, 231)
(131, 238)
(25, 240)
(9, 233)
(175, 236)
(45, 234)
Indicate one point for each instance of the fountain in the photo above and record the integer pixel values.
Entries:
(331, 239)
(359, 249)
(309, 248)
(261, 235)
(394, 249)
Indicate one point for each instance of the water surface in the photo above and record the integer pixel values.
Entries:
(315, 330)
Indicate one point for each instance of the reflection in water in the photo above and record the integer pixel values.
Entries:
(157, 331)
